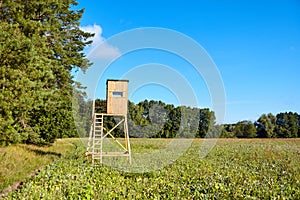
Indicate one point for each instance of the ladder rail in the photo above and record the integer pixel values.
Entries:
(101, 129)
(90, 137)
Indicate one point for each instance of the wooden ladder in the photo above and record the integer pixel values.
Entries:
(97, 136)
(97, 141)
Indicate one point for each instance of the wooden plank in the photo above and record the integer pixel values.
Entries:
(112, 154)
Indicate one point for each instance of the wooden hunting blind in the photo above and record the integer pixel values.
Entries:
(116, 107)
(117, 96)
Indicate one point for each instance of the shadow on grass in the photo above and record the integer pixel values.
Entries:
(41, 152)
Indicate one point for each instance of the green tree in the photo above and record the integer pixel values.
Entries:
(265, 126)
(41, 44)
(168, 131)
(287, 125)
(207, 122)
(172, 125)
(23, 78)
(189, 122)
(228, 131)
(298, 125)
(245, 129)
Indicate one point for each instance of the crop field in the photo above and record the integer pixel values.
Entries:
(233, 169)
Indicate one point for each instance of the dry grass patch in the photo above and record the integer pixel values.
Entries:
(17, 162)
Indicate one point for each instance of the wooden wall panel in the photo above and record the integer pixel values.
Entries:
(117, 96)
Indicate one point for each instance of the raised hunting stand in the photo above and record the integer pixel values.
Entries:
(116, 106)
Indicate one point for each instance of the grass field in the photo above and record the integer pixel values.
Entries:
(233, 169)
(18, 162)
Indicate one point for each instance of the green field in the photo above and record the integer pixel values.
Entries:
(233, 169)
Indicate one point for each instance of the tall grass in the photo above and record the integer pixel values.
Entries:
(17, 162)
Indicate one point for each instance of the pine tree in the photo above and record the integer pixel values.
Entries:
(41, 44)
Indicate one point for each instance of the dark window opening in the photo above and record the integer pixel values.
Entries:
(117, 94)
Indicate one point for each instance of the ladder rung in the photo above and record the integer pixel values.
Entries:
(111, 154)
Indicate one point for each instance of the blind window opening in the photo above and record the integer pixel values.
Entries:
(117, 94)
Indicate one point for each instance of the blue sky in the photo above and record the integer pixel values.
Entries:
(254, 44)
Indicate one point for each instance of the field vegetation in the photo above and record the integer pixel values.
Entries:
(233, 169)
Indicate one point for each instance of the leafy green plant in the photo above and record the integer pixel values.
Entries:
(234, 169)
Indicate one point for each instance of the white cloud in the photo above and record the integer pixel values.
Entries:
(97, 30)
(101, 49)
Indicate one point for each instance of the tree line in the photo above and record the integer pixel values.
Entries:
(282, 125)
(156, 119)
